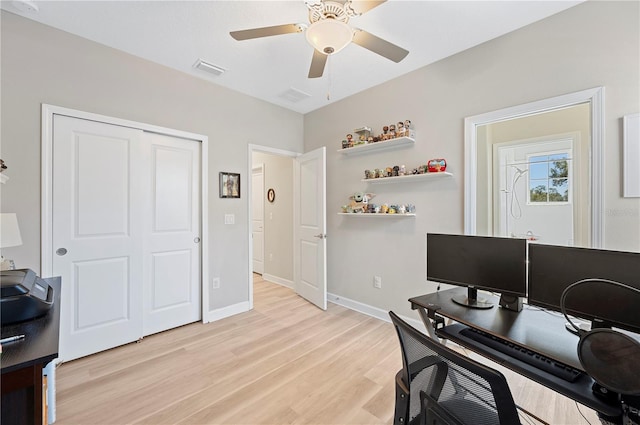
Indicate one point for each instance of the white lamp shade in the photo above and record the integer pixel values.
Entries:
(9, 230)
(329, 36)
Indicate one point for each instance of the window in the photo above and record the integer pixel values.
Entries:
(549, 178)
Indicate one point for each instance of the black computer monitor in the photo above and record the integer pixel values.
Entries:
(478, 262)
(553, 268)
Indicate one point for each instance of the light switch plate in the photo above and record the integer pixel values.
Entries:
(229, 219)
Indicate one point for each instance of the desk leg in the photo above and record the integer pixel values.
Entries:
(427, 323)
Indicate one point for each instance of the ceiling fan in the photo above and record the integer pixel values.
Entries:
(328, 32)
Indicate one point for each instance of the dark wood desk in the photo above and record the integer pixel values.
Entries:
(23, 361)
(540, 331)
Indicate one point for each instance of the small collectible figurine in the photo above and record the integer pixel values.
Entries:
(392, 131)
(345, 144)
(370, 139)
(385, 133)
(407, 126)
(396, 170)
(402, 171)
(350, 140)
(436, 165)
(389, 171)
(400, 129)
(359, 201)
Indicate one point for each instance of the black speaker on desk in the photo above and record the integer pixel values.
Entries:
(511, 302)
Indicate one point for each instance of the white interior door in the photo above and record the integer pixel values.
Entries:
(171, 248)
(310, 224)
(257, 217)
(97, 234)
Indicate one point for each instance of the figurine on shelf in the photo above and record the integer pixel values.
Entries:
(345, 144)
(384, 208)
(350, 140)
(402, 209)
(407, 128)
(396, 171)
(437, 165)
(367, 174)
(385, 133)
(370, 139)
(389, 172)
(402, 171)
(400, 129)
(359, 201)
(392, 131)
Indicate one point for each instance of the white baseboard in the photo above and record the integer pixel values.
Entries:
(228, 311)
(375, 312)
(278, 280)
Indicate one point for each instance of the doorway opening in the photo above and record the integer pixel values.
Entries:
(271, 217)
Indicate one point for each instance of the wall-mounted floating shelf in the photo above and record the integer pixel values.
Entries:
(379, 215)
(378, 146)
(408, 178)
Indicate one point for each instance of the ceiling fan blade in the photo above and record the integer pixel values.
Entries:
(363, 6)
(266, 31)
(379, 46)
(317, 64)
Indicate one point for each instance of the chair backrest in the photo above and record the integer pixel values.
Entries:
(446, 387)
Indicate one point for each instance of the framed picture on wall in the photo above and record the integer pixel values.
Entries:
(229, 185)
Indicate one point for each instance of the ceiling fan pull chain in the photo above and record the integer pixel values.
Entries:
(329, 60)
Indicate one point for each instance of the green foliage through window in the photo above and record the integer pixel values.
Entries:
(549, 178)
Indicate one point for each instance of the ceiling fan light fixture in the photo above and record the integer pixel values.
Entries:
(329, 36)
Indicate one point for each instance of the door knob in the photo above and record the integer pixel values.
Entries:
(61, 251)
(196, 239)
(320, 236)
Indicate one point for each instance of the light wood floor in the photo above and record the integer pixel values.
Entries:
(284, 362)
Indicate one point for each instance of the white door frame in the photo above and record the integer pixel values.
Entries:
(253, 169)
(271, 151)
(46, 248)
(595, 97)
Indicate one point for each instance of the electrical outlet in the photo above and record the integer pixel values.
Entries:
(377, 282)
(215, 283)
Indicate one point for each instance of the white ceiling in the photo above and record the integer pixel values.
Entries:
(177, 33)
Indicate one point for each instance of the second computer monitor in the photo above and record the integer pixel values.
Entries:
(553, 268)
(478, 262)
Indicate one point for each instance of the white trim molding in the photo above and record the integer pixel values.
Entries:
(278, 280)
(374, 312)
(224, 312)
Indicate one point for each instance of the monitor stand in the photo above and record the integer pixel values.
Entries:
(471, 300)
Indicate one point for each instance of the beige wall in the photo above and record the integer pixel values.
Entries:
(278, 217)
(592, 44)
(44, 65)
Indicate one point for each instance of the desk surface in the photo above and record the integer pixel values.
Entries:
(40, 344)
(541, 331)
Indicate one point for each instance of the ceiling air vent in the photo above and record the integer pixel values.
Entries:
(294, 95)
(209, 67)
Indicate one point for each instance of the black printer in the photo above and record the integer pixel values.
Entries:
(24, 296)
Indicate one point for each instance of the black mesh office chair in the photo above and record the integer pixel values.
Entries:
(440, 386)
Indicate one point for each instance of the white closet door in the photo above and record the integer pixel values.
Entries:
(171, 232)
(97, 234)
